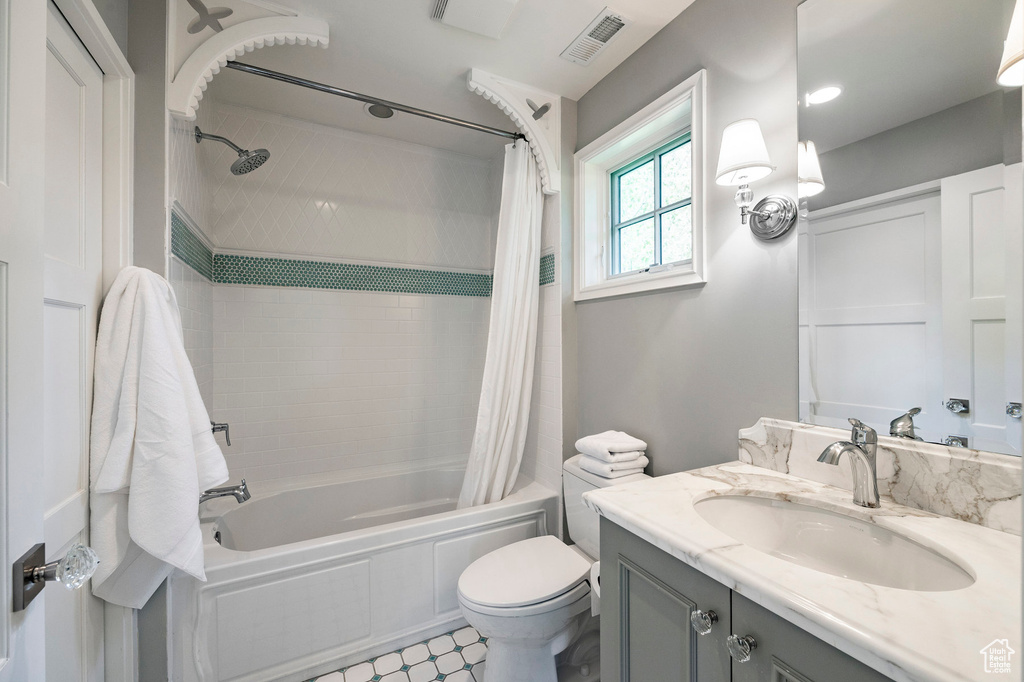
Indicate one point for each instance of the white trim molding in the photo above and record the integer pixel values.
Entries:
(671, 115)
(187, 87)
(544, 134)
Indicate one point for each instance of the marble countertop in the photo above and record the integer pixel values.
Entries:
(907, 635)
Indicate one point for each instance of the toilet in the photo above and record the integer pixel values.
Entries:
(532, 599)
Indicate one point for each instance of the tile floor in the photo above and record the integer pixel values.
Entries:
(452, 657)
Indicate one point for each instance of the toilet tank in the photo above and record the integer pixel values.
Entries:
(583, 523)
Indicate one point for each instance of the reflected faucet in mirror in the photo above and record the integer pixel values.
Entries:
(903, 426)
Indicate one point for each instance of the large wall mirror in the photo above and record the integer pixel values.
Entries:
(911, 256)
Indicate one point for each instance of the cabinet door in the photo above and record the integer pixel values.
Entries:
(785, 653)
(647, 597)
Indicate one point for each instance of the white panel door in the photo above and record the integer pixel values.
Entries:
(73, 227)
(22, 70)
(981, 302)
(870, 318)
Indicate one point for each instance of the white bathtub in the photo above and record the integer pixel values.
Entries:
(312, 579)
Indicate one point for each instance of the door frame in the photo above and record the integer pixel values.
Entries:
(119, 636)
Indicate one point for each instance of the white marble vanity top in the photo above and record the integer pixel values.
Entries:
(907, 635)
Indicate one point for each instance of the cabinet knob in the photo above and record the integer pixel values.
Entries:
(740, 647)
(702, 621)
(958, 405)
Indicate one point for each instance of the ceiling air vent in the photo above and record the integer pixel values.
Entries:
(594, 38)
(484, 18)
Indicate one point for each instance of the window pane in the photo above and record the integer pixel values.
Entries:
(636, 192)
(676, 235)
(675, 175)
(636, 246)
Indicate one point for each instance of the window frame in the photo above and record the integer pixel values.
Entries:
(659, 124)
(616, 191)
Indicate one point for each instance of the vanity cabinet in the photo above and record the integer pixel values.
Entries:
(647, 600)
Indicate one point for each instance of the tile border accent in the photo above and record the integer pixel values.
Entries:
(547, 269)
(313, 274)
(186, 245)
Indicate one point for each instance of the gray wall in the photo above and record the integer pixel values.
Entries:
(976, 134)
(685, 369)
(147, 51)
(115, 16)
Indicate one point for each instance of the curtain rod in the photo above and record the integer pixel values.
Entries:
(330, 89)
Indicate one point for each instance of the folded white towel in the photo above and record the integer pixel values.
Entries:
(613, 470)
(152, 452)
(603, 445)
(616, 457)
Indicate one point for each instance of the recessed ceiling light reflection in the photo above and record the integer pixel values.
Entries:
(822, 95)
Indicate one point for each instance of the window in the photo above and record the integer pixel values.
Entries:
(652, 223)
(639, 210)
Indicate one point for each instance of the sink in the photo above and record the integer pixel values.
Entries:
(832, 543)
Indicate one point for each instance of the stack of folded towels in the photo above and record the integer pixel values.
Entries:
(612, 454)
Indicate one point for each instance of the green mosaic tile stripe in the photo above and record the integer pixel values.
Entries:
(282, 272)
(189, 248)
(547, 269)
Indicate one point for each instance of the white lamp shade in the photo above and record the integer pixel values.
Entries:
(809, 181)
(744, 156)
(1011, 66)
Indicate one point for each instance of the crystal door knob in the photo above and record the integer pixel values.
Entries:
(740, 647)
(75, 568)
(72, 571)
(702, 621)
(1013, 410)
(958, 405)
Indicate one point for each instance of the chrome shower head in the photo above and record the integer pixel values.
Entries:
(249, 161)
(246, 162)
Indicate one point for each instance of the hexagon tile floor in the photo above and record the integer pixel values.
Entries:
(452, 657)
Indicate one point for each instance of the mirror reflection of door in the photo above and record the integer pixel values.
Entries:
(911, 257)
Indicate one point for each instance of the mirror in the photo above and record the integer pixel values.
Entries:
(911, 255)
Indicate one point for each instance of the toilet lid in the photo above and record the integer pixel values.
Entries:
(523, 573)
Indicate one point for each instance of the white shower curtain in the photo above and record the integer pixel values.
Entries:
(504, 411)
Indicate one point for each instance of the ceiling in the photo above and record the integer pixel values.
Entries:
(392, 49)
(897, 61)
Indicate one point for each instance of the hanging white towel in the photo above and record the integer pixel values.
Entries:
(152, 452)
(609, 470)
(602, 445)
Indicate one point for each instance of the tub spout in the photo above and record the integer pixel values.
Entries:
(239, 492)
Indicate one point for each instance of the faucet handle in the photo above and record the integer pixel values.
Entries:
(861, 432)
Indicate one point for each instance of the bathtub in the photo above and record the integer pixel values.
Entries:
(307, 580)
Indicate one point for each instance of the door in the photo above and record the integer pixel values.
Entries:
(981, 303)
(22, 131)
(73, 270)
(871, 316)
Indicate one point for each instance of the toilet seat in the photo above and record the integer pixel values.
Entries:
(524, 575)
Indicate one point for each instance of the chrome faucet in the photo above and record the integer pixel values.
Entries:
(240, 493)
(903, 426)
(861, 448)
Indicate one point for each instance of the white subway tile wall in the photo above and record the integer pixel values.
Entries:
(195, 303)
(186, 177)
(332, 193)
(318, 381)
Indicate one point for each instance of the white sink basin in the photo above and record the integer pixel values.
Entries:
(832, 543)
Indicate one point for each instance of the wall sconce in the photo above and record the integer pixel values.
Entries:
(744, 159)
(809, 179)
(1011, 66)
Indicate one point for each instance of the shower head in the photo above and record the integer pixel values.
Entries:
(246, 162)
(249, 161)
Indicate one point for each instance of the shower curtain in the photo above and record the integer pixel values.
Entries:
(504, 410)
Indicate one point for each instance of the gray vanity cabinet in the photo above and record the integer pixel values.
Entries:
(647, 598)
(785, 653)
